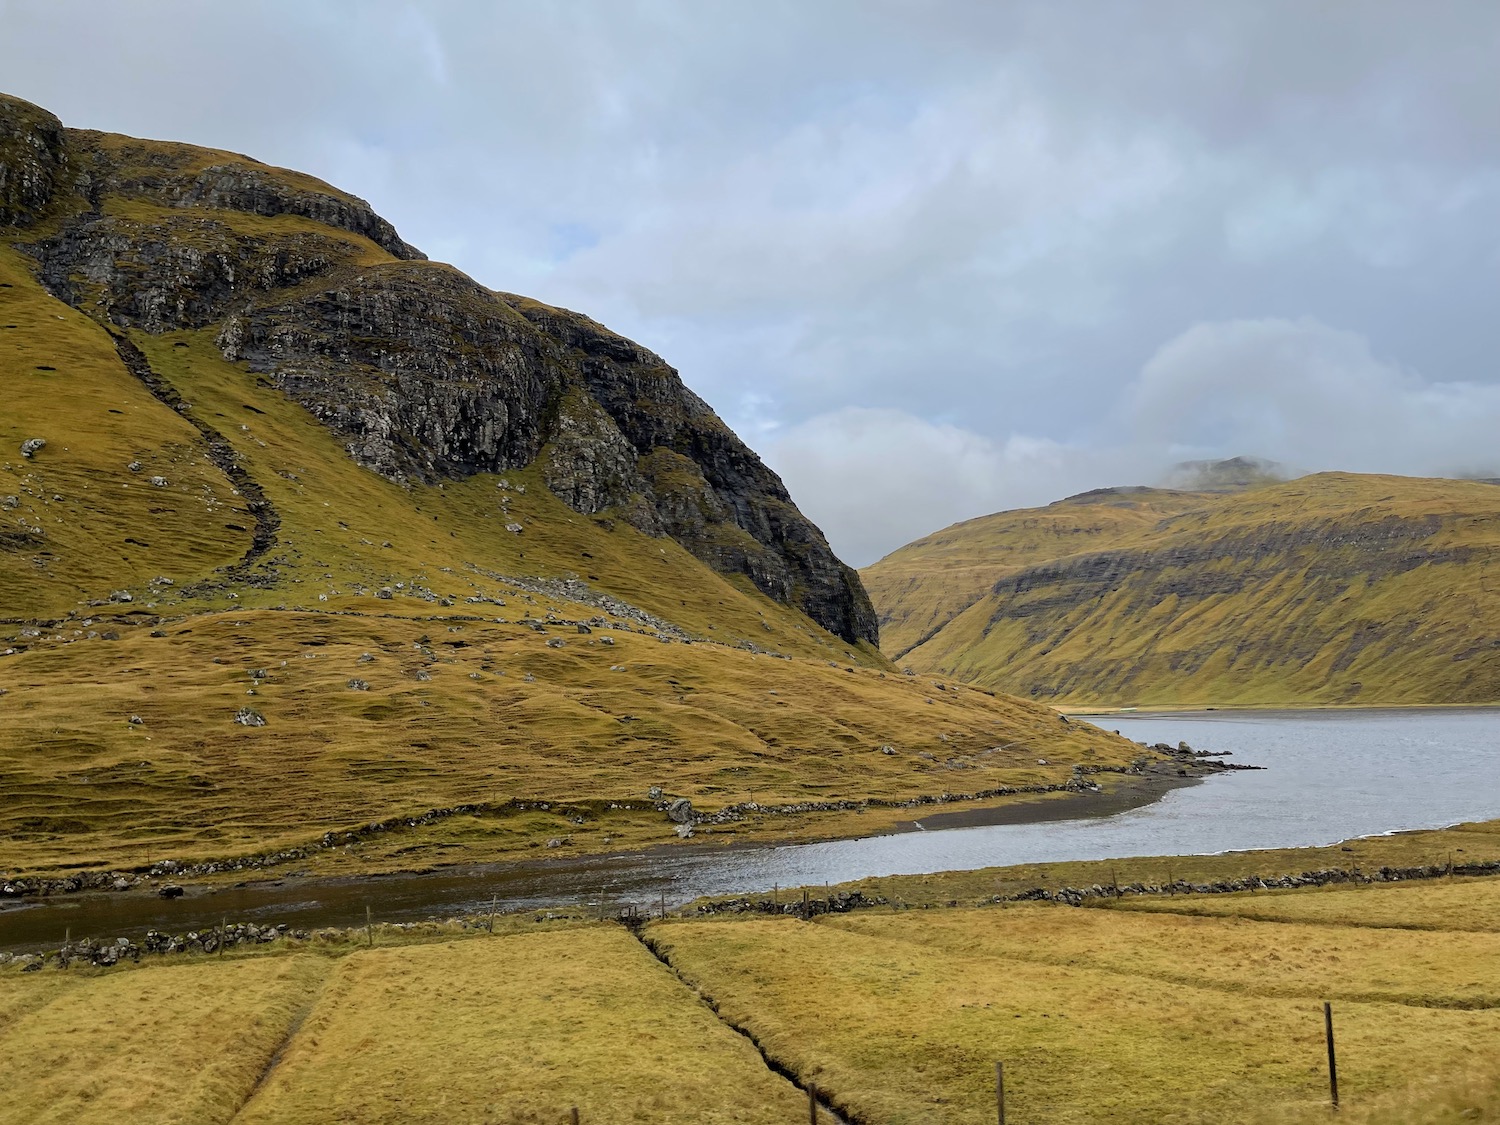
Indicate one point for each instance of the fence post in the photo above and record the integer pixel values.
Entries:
(1333, 1066)
(812, 1104)
(573, 1117)
(1000, 1091)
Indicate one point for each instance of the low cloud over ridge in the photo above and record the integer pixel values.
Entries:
(1297, 392)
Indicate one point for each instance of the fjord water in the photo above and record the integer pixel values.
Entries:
(1328, 776)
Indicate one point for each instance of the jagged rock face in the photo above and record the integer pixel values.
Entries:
(423, 373)
(32, 157)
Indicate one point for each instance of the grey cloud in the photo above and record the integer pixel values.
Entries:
(946, 214)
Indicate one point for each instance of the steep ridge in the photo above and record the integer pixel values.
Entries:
(1333, 588)
(311, 547)
(424, 374)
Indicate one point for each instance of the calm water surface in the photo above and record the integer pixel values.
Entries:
(1329, 776)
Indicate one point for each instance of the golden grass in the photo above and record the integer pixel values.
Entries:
(1460, 904)
(87, 525)
(1295, 610)
(901, 1017)
(517, 1029)
(163, 1045)
(502, 716)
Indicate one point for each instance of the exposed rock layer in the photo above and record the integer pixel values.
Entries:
(423, 373)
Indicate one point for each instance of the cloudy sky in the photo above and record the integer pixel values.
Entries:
(930, 259)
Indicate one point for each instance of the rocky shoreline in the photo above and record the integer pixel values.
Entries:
(1175, 764)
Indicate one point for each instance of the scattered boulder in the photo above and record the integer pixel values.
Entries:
(32, 446)
(249, 717)
(555, 642)
(134, 466)
(170, 890)
(680, 811)
(654, 793)
(356, 684)
(159, 482)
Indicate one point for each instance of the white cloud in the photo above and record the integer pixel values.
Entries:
(876, 479)
(1307, 394)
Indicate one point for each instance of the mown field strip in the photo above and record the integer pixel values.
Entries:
(1464, 905)
(517, 1029)
(901, 1017)
(1232, 955)
(158, 1045)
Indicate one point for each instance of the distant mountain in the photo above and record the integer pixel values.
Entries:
(1226, 476)
(1332, 588)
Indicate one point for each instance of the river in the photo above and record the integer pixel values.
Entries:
(1329, 776)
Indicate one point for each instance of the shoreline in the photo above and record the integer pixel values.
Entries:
(1116, 793)
(1177, 711)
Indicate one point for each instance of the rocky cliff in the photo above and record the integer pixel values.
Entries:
(423, 374)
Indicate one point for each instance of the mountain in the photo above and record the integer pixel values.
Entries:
(301, 532)
(1225, 476)
(1331, 588)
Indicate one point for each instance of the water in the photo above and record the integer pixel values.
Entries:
(1329, 776)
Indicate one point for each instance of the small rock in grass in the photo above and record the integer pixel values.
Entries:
(32, 446)
(357, 684)
(249, 717)
(159, 482)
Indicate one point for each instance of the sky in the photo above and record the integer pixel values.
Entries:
(931, 260)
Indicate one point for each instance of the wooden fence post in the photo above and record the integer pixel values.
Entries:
(812, 1104)
(573, 1117)
(1333, 1066)
(1000, 1091)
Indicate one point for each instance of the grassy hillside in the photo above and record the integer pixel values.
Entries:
(191, 540)
(1332, 588)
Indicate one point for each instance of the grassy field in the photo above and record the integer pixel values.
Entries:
(1105, 1015)
(509, 1029)
(168, 1044)
(1190, 1009)
(1330, 589)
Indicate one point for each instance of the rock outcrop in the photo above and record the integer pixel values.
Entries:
(424, 374)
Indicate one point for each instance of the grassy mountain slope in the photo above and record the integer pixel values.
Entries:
(199, 533)
(1333, 588)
